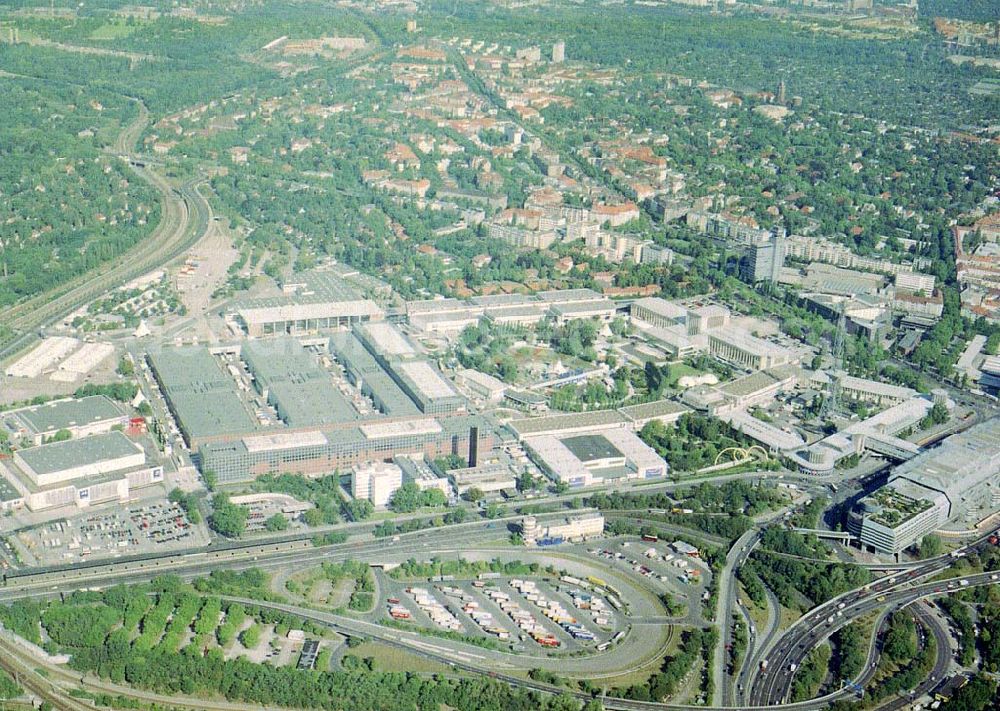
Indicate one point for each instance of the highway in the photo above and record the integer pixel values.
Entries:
(726, 606)
(772, 685)
(768, 690)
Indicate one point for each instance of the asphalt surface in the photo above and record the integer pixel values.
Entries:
(772, 685)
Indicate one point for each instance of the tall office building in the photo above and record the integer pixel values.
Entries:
(763, 262)
(377, 482)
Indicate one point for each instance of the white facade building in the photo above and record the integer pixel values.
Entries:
(376, 482)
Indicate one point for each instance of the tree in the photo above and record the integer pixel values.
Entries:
(930, 547)
(227, 518)
(527, 482)
(277, 522)
(313, 517)
(125, 366)
(406, 499)
(473, 494)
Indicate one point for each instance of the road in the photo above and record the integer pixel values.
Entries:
(474, 659)
(725, 607)
(772, 685)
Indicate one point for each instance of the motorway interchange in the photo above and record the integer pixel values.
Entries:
(632, 638)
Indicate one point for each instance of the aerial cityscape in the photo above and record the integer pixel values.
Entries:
(475, 355)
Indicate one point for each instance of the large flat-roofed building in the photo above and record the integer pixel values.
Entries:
(203, 398)
(289, 377)
(873, 391)
(675, 341)
(774, 438)
(365, 372)
(385, 342)
(965, 468)
(427, 387)
(448, 322)
(489, 477)
(324, 451)
(79, 472)
(80, 417)
(568, 423)
(318, 301)
(584, 459)
(658, 312)
(417, 378)
(761, 387)
(957, 482)
(602, 310)
(562, 297)
(748, 351)
(482, 385)
(515, 315)
(73, 459)
(665, 411)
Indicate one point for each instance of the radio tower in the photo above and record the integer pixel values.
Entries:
(832, 401)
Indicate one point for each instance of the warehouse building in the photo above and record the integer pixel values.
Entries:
(292, 382)
(417, 378)
(365, 373)
(80, 417)
(75, 459)
(600, 456)
(565, 424)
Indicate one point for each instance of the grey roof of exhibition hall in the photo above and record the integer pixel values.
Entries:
(64, 414)
(205, 399)
(48, 458)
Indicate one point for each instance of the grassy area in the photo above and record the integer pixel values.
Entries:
(113, 30)
(643, 673)
(397, 660)
(680, 370)
(786, 617)
(757, 613)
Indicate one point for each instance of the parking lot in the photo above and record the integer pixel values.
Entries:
(678, 572)
(138, 530)
(530, 614)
